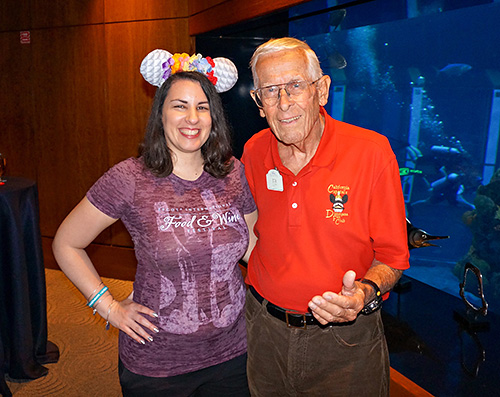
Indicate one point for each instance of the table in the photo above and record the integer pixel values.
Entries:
(24, 347)
(434, 350)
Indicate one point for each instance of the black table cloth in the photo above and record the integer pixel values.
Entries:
(24, 347)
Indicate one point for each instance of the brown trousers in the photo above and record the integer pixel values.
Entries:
(339, 360)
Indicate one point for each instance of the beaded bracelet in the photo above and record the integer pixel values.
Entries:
(97, 296)
(93, 292)
(107, 315)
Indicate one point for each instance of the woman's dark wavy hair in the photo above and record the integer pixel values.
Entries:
(217, 152)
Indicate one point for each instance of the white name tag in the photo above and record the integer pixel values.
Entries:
(274, 180)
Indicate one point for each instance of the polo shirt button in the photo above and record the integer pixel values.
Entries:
(294, 184)
(294, 205)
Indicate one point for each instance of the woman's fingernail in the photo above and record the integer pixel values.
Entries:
(156, 329)
(155, 314)
(143, 342)
(150, 338)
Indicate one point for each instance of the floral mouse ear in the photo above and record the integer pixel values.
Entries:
(159, 65)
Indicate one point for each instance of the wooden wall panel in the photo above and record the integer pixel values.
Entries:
(69, 117)
(73, 102)
(66, 13)
(137, 10)
(233, 11)
(129, 96)
(197, 6)
(109, 261)
(14, 15)
(16, 134)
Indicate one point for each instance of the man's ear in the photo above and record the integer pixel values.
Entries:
(261, 111)
(323, 86)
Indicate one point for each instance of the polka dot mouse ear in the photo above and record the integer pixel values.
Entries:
(159, 65)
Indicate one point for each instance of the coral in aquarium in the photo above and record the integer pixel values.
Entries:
(484, 223)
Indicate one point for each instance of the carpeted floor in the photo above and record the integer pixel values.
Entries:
(88, 354)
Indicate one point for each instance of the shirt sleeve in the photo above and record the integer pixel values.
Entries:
(388, 220)
(113, 193)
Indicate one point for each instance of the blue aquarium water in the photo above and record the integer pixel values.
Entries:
(426, 74)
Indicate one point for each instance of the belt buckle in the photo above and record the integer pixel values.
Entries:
(304, 323)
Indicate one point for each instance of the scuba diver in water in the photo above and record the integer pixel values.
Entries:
(451, 186)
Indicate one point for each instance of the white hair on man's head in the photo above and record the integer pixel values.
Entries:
(286, 44)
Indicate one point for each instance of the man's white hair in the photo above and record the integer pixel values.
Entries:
(286, 44)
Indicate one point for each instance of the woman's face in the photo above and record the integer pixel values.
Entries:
(186, 118)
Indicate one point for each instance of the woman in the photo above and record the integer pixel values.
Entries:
(187, 206)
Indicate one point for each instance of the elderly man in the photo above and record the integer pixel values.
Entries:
(331, 237)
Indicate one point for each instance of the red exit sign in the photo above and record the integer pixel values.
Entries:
(25, 37)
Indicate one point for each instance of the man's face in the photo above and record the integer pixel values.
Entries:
(293, 120)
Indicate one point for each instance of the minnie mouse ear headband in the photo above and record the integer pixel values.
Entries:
(159, 65)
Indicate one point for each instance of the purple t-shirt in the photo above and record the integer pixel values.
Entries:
(188, 238)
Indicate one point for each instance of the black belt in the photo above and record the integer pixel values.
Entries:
(291, 318)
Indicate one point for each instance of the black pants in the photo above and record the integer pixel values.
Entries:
(226, 379)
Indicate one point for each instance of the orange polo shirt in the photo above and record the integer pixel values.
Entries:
(341, 211)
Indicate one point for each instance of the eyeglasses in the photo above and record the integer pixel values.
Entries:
(271, 94)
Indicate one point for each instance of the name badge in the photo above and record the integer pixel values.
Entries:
(274, 180)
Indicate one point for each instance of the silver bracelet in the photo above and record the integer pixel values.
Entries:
(107, 315)
(94, 311)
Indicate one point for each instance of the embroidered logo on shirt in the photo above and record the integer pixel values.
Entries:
(338, 197)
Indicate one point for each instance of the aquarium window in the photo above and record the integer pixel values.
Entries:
(426, 74)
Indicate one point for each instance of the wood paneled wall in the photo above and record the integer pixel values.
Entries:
(72, 101)
(69, 117)
(208, 15)
(17, 135)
